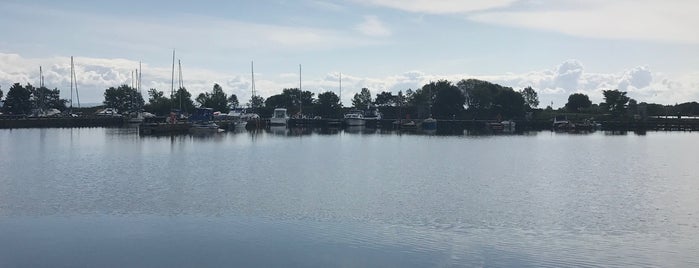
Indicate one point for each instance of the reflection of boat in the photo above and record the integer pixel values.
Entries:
(204, 127)
(429, 124)
(508, 126)
(354, 118)
(354, 129)
(279, 117)
(407, 124)
(278, 130)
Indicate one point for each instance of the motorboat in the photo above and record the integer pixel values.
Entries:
(354, 118)
(279, 117)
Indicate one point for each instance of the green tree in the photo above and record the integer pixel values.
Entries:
(45, 98)
(616, 101)
(216, 100)
(290, 98)
(531, 98)
(362, 99)
(400, 99)
(219, 100)
(124, 98)
(158, 103)
(1, 93)
(577, 102)
(509, 103)
(485, 98)
(385, 98)
(448, 99)
(328, 104)
(183, 100)
(233, 101)
(278, 101)
(256, 102)
(18, 100)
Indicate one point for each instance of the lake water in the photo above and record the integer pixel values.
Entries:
(107, 197)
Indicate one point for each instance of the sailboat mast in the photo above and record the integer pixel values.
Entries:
(181, 82)
(172, 86)
(140, 74)
(300, 100)
(340, 97)
(41, 88)
(252, 72)
(71, 84)
(75, 77)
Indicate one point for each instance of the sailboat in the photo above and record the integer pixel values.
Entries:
(73, 81)
(138, 116)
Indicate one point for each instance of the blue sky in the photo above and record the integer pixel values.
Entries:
(648, 48)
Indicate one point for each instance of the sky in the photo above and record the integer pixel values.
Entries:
(648, 48)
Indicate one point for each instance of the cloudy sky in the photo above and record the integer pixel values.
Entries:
(649, 48)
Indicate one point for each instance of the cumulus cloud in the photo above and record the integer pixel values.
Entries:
(372, 26)
(639, 77)
(568, 74)
(554, 84)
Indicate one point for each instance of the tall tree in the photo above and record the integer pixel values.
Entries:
(616, 101)
(291, 99)
(18, 100)
(183, 99)
(158, 103)
(531, 98)
(0, 93)
(490, 99)
(216, 100)
(328, 104)
(448, 101)
(256, 102)
(219, 100)
(362, 99)
(577, 102)
(45, 98)
(124, 98)
(385, 98)
(233, 101)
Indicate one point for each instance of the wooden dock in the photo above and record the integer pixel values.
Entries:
(60, 122)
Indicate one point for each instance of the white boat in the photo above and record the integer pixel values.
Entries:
(561, 123)
(508, 126)
(354, 119)
(279, 117)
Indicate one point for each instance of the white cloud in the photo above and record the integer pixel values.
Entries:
(554, 84)
(657, 20)
(372, 26)
(439, 6)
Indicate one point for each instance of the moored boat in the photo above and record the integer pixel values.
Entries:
(279, 117)
(354, 118)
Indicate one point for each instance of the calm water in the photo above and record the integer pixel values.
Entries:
(99, 197)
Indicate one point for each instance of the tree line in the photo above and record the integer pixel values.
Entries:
(443, 99)
(28, 99)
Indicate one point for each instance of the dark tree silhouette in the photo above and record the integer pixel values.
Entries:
(577, 102)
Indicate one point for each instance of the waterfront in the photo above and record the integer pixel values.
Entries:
(109, 197)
